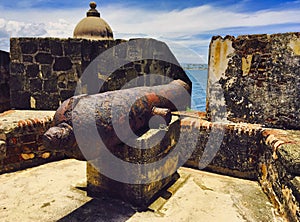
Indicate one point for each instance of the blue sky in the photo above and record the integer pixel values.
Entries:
(187, 26)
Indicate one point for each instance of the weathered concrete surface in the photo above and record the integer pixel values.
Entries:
(55, 191)
(256, 79)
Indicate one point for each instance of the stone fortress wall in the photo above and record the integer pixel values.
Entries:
(4, 81)
(258, 77)
(44, 71)
(253, 82)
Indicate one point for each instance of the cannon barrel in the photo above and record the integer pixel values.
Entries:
(114, 109)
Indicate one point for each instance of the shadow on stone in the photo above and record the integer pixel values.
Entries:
(104, 209)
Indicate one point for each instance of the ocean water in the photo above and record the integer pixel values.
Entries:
(199, 80)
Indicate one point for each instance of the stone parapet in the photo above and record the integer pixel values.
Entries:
(255, 79)
(279, 170)
(249, 151)
(20, 139)
(227, 148)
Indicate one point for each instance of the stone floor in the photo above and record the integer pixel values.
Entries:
(56, 192)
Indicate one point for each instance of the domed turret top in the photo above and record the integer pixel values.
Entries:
(93, 27)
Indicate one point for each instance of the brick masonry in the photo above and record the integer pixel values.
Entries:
(279, 170)
(255, 79)
(249, 151)
(45, 71)
(227, 148)
(4, 81)
(20, 139)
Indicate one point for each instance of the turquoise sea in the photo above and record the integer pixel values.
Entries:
(199, 80)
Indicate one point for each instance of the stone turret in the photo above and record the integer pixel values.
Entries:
(93, 27)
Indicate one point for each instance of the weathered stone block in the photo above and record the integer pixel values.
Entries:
(72, 48)
(29, 138)
(138, 193)
(44, 45)
(27, 58)
(50, 85)
(29, 47)
(20, 99)
(56, 47)
(62, 64)
(44, 58)
(4, 93)
(17, 68)
(46, 71)
(32, 70)
(35, 84)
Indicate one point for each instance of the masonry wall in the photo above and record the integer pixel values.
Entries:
(4, 81)
(226, 148)
(45, 71)
(21, 134)
(255, 79)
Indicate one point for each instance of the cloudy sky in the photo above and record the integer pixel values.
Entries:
(186, 25)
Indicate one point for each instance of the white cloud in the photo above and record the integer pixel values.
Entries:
(179, 26)
(192, 20)
(10, 28)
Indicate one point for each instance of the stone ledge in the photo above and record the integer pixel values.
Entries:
(278, 170)
(285, 146)
(21, 143)
(233, 149)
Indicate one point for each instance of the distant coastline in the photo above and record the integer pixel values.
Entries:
(191, 66)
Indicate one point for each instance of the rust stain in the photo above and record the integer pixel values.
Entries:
(217, 53)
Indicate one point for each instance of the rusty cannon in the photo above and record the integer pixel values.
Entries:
(110, 112)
